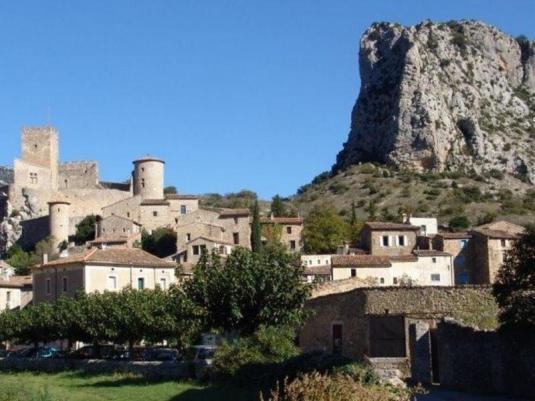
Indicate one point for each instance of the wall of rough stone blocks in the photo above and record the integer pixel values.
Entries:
(486, 361)
(352, 309)
(78, 175)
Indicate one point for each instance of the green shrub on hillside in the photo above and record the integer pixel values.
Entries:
(459, 223)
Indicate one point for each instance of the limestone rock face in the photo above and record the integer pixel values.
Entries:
(444, 96)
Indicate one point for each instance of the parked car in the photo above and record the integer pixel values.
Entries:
(162, 354)
(100, 352)
(34, 353)
(203, 360)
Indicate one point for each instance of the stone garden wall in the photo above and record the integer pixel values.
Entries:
(490, 362)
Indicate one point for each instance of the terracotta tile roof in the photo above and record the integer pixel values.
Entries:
(112, 256)
(496, 234)
(16, 282)
(459, 235)
(387, 226)
(154, 202)
(116, 239)
(282, 220)
(403, 258)
(430, 252)
(360, 261)
(181, 196)
(324, 270)
(243, 212)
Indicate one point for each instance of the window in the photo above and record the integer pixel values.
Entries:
(64, 284)
(140, 283)
(435, 278)
(163, 283)
(235, 220)
(353, 272)
(384, 240)
(47, 285)
(143, 183)
(196, 250)
(183, 209)
(236, 238)
(33, 178)
(188, 237)
(292, 244)
(434, 260)
(66, 184)
(127, 214)
(395, 280)
(112, 283)
(8, 299)
(503, 243)
(382, 280)
(401, 240)
(154, 213)
(288, 230)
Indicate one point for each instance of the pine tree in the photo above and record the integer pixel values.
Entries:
(256, 230)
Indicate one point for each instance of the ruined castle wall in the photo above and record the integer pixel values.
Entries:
(32, 177)
(40, 147)
(78, 175)
(90, 201)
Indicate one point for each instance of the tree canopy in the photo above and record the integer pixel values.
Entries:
(247, 290)
(514, 287)
(324, 230)
(161, 242)
(85, 229)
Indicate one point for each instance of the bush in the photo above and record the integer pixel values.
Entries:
(85, 229)
(248, 358)
(459, 223)
(336, 387)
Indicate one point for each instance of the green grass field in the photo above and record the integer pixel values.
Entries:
(77, 386)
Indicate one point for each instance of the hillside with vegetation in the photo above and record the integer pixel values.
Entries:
(381, 192)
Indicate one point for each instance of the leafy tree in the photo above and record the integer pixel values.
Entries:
(36, 324)
(247, 290)
(171, 189)
(459, 223)
(324, 230)
(277, 207)
(256, 230)
(85, 229)
(514, 287)
(161, 242)
(20, 259)
(273, 236)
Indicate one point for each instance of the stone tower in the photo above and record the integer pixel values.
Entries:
(40, 148)
(148, 177)
(58, 209)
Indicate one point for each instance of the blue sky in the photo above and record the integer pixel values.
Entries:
(232, 94)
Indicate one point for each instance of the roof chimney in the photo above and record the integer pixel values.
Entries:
(45, 258)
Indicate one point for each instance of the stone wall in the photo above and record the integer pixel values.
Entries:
(353, 310)
(149, 370)
(486, 361)
(78, 175)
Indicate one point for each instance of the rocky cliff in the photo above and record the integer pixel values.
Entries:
(444, 96)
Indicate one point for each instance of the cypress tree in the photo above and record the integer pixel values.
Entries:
(256, 230)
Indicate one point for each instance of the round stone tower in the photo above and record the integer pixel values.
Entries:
(148, 177)
(58, 217)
